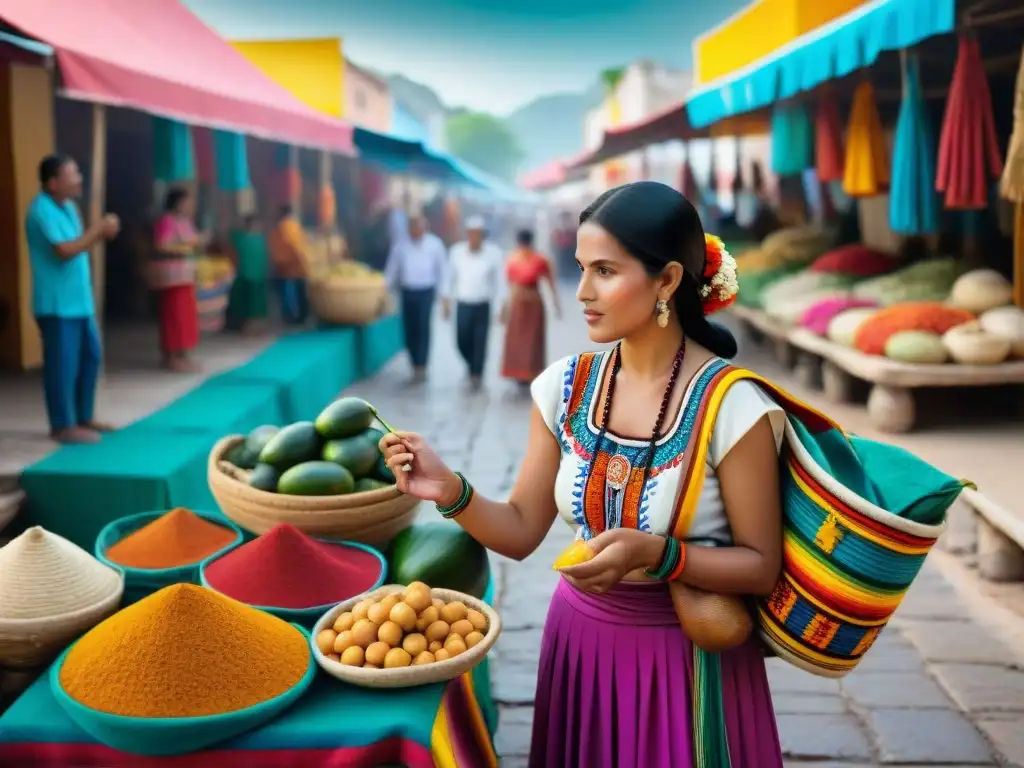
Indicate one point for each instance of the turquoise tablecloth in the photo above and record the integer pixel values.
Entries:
(308, 369)
(78, 489)
(220, 407)
(378, 343)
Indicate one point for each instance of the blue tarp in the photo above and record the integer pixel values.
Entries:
(838, 48)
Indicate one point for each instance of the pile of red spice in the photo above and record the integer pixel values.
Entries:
(285, 568)
(178, 538)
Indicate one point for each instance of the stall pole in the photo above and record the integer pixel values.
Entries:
(295, 193)
(97, 204)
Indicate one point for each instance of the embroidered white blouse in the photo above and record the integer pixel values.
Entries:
(566, 395)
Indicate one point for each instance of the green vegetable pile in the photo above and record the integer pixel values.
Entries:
(334, 455)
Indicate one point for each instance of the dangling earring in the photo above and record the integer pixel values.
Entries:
(661, 313)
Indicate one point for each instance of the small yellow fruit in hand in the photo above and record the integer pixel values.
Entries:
(576, 553)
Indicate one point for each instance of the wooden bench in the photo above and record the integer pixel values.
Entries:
(1000, 538)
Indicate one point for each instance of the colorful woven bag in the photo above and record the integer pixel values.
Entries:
(859, 517)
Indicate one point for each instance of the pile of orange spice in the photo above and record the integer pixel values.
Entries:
(178, 538)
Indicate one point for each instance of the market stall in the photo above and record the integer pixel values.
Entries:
(279, 630)
(919, 301)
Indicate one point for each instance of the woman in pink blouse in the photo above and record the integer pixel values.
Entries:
(176, 241)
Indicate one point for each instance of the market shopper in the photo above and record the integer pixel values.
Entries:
(475, 283)
(177, 243)
(607, 453)
(289, 252)
(415, 268)
(62, 299)
(247, 306)
(523, 315)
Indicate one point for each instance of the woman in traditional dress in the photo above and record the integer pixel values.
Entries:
(176, 241)
(248, 307)
(608, 454)
(523, 314)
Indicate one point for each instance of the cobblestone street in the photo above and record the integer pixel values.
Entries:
(941, 687)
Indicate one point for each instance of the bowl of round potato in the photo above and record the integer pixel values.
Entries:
(402, 636)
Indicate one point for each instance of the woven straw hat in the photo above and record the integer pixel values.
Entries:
(43, 574)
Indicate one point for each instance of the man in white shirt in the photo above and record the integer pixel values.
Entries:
(475, 279)
(415, 269)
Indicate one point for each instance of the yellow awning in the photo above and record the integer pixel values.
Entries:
(312, 70)
(759, 29)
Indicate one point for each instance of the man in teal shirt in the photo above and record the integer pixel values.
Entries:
(62, 298)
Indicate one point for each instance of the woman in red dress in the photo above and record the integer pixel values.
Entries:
(525, 355)
(176, 241)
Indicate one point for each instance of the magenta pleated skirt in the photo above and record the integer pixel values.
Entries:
(614, 686)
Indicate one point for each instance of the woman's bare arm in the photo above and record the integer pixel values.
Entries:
(517, 527)
(748, 477)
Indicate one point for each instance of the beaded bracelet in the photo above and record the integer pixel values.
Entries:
(672, 561)
(465, 497)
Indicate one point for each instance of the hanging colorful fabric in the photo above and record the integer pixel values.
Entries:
(709, 730)
(913, 204)
(828, 139)
(867, 164)
(232, 161)
(282, 156)
(202, 141)
(792, 140)
(173, 155)
(327, 206)
(1012, 184)
(969, 156)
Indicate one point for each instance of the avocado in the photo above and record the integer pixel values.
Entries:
(364, 484)
(293, 445)
(240, 457)
(316, 478)
(259, 437)
(264, 477)
(441, 553)
(346, 417)
(357, 454)
(382, 471)
(247, 453)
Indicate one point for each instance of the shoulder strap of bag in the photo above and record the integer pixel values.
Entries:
(710, 401)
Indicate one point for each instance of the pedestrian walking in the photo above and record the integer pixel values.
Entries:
(415, 268)
(247, 306)
(289, 252)
(62, 299)
(474, 281)
(523, 315)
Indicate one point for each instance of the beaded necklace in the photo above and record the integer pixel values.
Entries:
(619, 469)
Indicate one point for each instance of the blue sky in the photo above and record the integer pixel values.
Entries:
(493, 55)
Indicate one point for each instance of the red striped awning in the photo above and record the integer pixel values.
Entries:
(156, 56)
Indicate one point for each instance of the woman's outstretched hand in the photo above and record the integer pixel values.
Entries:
(429, 478)
(617, 552)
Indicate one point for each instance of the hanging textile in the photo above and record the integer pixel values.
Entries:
(231, 160)
(327, 206)
(688, 183)
(282, 156)
(288, 186)
(828, 139)
(792, 139)
(913, 204)
(1012, 184)
(202, 141)
(866, 173)
(173, 154)
(969, 156)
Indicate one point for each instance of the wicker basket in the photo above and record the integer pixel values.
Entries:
(372, 517)
(409, 677)
(349, 302)
(26, 643)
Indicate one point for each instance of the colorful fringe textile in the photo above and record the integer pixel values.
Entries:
(173, 153)
(792, 140)
(867, 164)
(859, 517)
(1011, 186)
(828, 139)
(969, 156)
(913, 204)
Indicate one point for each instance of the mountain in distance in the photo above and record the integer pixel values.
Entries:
(548, 128)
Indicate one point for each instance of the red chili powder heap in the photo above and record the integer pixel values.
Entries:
(177, 538)
(285, 568)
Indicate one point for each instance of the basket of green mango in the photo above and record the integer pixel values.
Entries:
(326, 477)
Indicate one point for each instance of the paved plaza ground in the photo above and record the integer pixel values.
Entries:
(943, 686)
